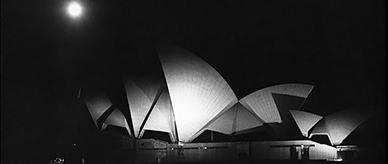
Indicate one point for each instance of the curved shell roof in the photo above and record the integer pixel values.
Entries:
(97, 103)
(161, 117)
(198, 92)
(263, 104)
(339, 125)
(235, 119)
(117, 118)
(305, 120)
(139, 104)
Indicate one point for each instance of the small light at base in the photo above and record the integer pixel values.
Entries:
(74, 9)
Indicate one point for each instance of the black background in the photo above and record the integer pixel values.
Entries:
(338, 46)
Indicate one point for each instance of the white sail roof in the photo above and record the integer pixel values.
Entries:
(97, 103)
(235, 119)
(224, 123)
(263, 104)
(139, 102)
(339, 125)
(198, 92)
(117, 118)
(161, 117)
(150, 84)
(305, 120)
(246, 119)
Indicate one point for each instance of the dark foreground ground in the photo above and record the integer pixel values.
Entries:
(286, 162)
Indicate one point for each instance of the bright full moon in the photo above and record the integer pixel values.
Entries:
(74, 9)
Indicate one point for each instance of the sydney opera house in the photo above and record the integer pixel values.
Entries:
(191, 114)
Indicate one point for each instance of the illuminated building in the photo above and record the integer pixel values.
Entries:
(194, 98)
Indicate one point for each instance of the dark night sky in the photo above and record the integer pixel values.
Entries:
(338, 46)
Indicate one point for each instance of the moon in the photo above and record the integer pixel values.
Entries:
(74, 9)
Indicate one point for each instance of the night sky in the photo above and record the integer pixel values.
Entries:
(337, 46)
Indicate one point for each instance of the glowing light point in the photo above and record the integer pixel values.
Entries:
(74, 9)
